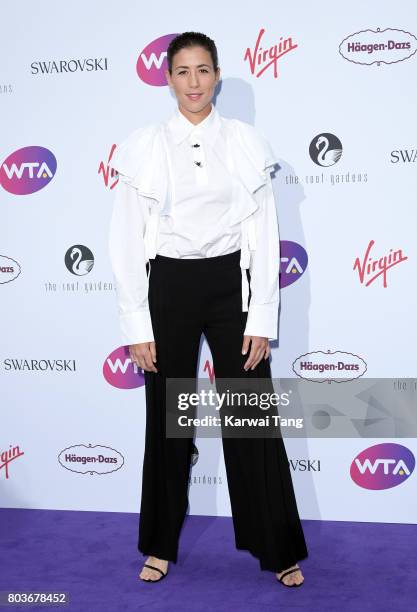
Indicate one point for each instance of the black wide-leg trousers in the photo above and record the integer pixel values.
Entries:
(188, 297)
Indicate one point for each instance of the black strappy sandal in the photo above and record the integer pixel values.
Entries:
(154, 568)
(296, 569)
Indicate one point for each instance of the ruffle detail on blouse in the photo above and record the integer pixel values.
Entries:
(141, 161)
(251, 156)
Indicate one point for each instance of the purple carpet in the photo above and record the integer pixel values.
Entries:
(357, 567)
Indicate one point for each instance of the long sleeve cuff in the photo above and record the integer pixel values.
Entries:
(136, 327)
(262, 320)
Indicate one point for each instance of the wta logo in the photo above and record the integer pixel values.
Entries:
(27, 170)
(152, 61)
(382, 466)
(293, 262)
(121, 372)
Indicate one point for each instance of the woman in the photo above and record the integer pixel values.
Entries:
(194, 247)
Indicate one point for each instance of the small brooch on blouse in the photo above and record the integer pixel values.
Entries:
(198, 163)
(195, 145)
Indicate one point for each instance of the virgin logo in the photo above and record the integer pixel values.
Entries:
(7, 456)
(152, 62)
(369, 269)
(110, 176)
(261, 59)
(208, 367)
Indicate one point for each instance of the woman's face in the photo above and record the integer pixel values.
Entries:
(193, 73)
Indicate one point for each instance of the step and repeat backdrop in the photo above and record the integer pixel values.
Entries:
(334, 92)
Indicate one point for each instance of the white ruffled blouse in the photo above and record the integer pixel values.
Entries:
(181, 200)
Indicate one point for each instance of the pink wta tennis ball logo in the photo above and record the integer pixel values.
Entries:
(382, 466)
(121, 372)
(152, 61)
(27, 170)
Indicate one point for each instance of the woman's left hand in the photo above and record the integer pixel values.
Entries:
(259, 349)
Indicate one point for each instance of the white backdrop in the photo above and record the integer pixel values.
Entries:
(341, 85)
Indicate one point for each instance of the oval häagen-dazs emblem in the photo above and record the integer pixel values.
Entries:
(325, 366)
(9, 269)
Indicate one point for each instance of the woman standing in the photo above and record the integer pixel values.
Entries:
(194, 247)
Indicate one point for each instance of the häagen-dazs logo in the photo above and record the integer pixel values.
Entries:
(97, 459)
(121, 372)
(152, 61)
(27, 170)
(9, 269)
(378, 46)
(293, 262)
(325, 149)
(336, 366)
(382, 466)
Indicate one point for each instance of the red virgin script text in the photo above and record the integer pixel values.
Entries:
(109, 172)
(260, 59)
(8, 456)
(369, 269)
(210, 370)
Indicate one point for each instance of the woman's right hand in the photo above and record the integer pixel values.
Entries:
(144, 355)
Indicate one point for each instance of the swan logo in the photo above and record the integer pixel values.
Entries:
(152, 61)
(325, 149)
(79, 260)
(27, 170)
(293, 262)
(9, 269)
(121, 372)
(382, 466)
(336, 366)
(388, 46)
(97, 459)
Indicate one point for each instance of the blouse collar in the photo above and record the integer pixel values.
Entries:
(182, 128)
